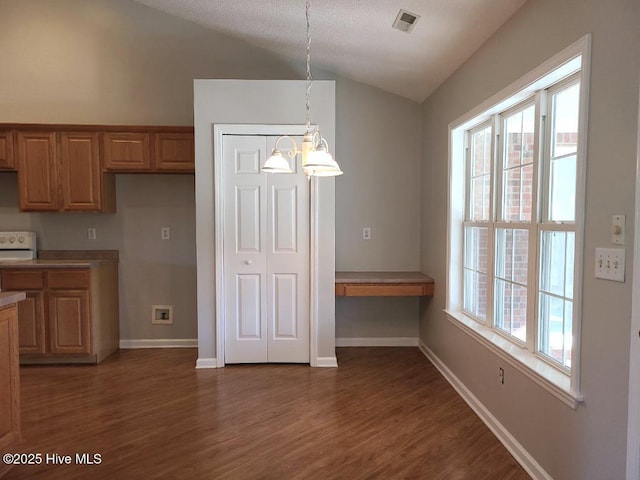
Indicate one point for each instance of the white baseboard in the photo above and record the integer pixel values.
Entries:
(377, 342)
(524, 458)
(326, 362)
(202, 363)
(159, 343)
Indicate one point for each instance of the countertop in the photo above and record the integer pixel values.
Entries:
(66, 259)
(42, 263)
(382, 277)
(9, 298)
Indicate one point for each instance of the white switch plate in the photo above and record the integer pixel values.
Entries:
(618, 229)
(91, 233)
(366, 233)
(165, 233)
(610, 264)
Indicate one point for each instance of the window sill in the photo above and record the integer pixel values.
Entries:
(552, 380)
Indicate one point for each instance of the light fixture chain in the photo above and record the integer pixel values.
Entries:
(308, 94)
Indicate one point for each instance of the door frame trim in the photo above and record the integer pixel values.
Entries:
(219, 130)
(633, 427)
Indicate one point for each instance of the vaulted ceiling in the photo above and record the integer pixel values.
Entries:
(355, 38)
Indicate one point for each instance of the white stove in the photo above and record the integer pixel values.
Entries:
(17, 246)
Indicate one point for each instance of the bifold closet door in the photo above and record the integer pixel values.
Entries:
(266, 256)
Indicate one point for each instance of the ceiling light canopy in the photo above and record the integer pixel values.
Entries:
(316, 159)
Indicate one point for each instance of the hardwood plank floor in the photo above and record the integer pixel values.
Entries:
(386, 413)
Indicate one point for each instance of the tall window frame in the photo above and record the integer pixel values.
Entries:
(523, 221)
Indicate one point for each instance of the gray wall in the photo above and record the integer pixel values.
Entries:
(119, 62)
(590, 442)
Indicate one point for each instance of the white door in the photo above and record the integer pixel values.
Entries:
(266, 256)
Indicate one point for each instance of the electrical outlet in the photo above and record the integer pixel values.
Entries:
(165, 233)
(162, 314)
(366, 233)
(501, 375)
(91, 233)
(610, 264)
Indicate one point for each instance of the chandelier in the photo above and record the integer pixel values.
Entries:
(316, 159)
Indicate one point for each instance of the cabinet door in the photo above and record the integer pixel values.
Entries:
(126, 151)
(80, 172)
(31, 324)
(174, 152)
(37, 171)
(7, 156)
(9, 380)
(69, 325)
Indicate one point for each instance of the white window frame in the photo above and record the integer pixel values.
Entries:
(561, 382)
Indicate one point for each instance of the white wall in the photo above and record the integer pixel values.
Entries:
(119, 62)
(590, 442)
(220, 102)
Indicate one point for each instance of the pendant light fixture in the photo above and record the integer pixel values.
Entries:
(316, 159)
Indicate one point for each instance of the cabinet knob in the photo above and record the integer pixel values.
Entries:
(248, 262)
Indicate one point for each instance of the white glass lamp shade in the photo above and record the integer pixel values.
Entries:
(321, 164)
(276, 163)
(327, 171)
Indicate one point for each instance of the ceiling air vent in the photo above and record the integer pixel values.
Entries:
(405, 21)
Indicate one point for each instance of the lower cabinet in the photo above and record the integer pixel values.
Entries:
(9, 383)
(69, 315)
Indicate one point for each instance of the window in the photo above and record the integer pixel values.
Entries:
(516, 212)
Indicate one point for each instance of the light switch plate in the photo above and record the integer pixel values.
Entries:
(610, 264)
(618, 229)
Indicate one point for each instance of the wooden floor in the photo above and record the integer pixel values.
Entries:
(386, 413)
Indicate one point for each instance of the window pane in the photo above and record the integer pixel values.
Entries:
(565, 106)
(556, 263)
(518, 194)
(562, 189)
(556, 328)
(512, 255)
(519, 138)
(476, 248)
(475, 293)
(511, 309)
(480, 175)
(476, 253)
(480, 198)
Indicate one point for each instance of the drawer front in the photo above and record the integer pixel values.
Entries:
(67, 279)
(22, 280)
(390, 290)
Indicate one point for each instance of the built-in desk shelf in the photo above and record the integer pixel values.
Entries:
(383, 284)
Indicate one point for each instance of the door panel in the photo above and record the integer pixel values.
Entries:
(285, 314)
(244, 250)
(288, 264)
(266, 256)
(248, 314)
(285, 226)
(247, 223)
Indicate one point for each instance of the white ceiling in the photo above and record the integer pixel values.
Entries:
(354, 38)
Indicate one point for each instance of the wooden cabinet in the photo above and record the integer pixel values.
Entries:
(31, 326)
(65, 318)
(84, 186)
(174, 152)
(9, 383)
(61, 171)
(126, 151)
(37, 171)
(7, 150)
(151, 150)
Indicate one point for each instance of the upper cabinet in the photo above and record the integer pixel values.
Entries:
(149, 150)
(124, 151)
(61, 171)
(7, 150)
(70, 167)
(38, 171)
(174, 152)
(84, 186)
